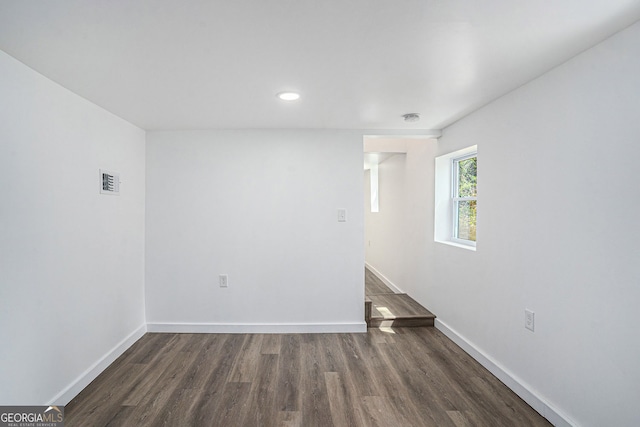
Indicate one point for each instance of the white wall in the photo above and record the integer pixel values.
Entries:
(385, 230)
(557, 233)
(71, 260)
(260, 206)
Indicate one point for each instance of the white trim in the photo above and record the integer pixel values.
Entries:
(457, 245)
(403, 133)
(258, 328)
(384, 279)
(72, 390)
(518, 386)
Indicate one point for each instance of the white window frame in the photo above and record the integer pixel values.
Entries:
(456, 199)
(444, 220)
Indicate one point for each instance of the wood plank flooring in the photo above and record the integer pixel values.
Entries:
(373, 285)
(405, 377)
(384, 308)
(398, 310)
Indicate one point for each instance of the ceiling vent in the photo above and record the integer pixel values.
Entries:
(109, 182)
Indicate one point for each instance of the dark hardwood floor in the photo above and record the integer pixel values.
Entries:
(384, 308)
(405, 377)
(398, 310)
(373, 285)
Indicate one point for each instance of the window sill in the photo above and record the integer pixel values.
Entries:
(457, 245)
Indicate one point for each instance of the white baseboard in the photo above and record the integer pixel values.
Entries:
(257, 328)
(513, 382)
(384, 279)
(72, 390)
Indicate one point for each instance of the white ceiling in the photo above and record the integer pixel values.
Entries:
(360, 64)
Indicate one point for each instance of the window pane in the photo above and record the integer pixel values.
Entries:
(467, 177)
(467, 220)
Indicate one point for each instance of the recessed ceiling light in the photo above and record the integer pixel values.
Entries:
(289, 96)
(411, 117)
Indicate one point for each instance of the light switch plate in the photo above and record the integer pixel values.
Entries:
(224, 280)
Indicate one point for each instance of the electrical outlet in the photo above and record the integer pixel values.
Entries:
(529, 319)
(224, 280)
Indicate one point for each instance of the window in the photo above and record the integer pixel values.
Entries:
(464, 198)
(456, 198)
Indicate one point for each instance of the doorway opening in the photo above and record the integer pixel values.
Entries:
(387, 204)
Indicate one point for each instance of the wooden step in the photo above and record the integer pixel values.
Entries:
(397, 310)
(367, 309)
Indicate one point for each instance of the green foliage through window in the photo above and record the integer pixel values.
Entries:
(465, 197)
(467, 177)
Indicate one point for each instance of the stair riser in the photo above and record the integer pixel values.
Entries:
(399, 323)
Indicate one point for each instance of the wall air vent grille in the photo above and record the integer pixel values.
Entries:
(109, 182)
